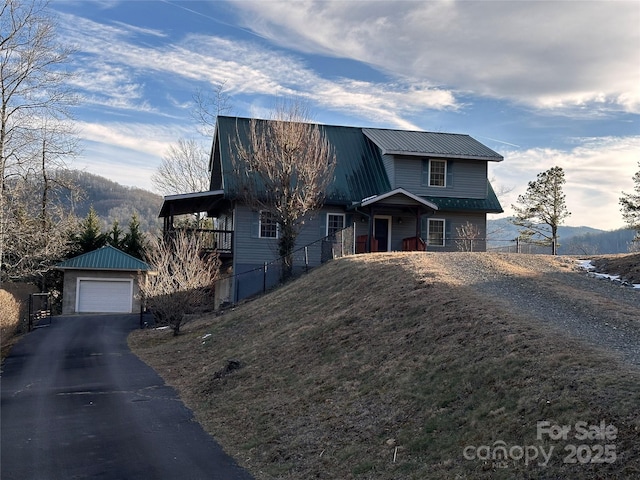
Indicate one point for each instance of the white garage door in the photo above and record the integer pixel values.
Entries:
(104, 296)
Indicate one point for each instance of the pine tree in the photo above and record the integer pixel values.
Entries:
(542, 208)
(115, 237)
(630, 206)
(134, 242)
(91, 237)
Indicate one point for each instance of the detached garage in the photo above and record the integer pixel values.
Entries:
(102, 281)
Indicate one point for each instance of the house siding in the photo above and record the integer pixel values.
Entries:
(251, 252)
(453, 221)
(465, 179)
(389, 166)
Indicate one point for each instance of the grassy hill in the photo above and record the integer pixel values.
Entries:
(382, 367)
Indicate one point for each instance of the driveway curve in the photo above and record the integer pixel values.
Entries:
(76, 403)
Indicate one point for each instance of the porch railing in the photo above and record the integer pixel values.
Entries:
(219, 240)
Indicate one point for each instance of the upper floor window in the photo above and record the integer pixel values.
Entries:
(335, 223)
(434, 173)
(268, 225)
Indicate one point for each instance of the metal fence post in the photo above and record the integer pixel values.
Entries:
(264, 278)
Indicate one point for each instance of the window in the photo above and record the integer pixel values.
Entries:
(335, 223)
(434, 173)
(268, 225)
(435, 233)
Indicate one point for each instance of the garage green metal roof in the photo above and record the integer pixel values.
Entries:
(105, 258)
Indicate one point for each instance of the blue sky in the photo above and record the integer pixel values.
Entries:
(542, 83)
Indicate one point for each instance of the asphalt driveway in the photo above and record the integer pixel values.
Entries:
(76, 403)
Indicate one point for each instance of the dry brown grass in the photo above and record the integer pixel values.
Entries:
(381, 366)
(9, 320)
(14, 310)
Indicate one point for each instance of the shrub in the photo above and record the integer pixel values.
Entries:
(183, 280)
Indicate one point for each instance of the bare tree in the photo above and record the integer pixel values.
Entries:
(33, 94)
(183, 280)
(542, 208)
(39, 237)
(468, 235)
(185, 166)
(184, 169)
(284, 168)
(209, 106)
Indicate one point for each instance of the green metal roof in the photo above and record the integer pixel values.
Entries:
(491, 204)
(105, 258)
(359, 171)
(444, 145)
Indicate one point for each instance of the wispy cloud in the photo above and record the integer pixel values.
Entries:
(552, 55)
(110, 75)
(146, 138)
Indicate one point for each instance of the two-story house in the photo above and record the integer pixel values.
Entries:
(399, 190)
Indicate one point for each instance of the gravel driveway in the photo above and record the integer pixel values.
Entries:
(555, 292)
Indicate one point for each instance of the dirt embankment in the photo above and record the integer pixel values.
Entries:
(625, 265)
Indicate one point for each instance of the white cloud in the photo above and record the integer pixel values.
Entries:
(547, 54)
(111, 76)
(144, 138)
(596, 170)
(128, 153)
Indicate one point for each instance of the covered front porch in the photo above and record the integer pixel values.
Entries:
(213, 203)
(391, 222)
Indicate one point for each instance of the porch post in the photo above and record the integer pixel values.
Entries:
(370, 235)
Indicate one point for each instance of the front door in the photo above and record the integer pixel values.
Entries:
(382, 232)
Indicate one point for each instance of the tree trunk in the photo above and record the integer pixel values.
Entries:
(286, 246)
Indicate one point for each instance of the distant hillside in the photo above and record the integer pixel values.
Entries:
(113, 201)
(573, 240)
(615, 241)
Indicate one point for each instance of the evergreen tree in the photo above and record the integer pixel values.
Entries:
(542, 208)
(116, 237)
(630, 206)
(91, 237)
(134, 241)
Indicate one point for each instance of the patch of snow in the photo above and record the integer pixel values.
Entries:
(588, 266)
(204, 337)
(162, 328)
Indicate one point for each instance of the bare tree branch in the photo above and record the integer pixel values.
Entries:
(284, 166)
(183, 169)
(34, 102)
(183, 280)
